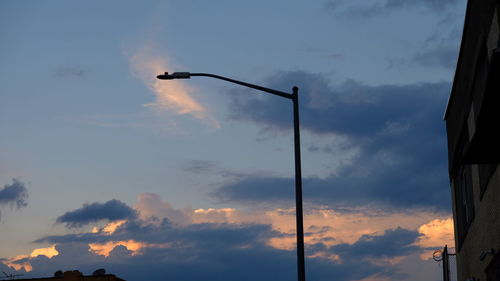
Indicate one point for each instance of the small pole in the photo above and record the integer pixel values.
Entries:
(298, 188)
(446, 264)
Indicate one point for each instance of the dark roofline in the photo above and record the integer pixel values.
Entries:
(60, 278)
(460, 57)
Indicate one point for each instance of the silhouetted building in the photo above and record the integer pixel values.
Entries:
(473, 128)
(75, 275)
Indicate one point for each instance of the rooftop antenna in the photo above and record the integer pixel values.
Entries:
(10, 276)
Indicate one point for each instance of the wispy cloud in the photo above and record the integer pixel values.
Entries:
(68, 71)
(367, 9)
(172, 96)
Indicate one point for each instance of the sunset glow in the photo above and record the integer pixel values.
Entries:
(17, 264)
(174, 96)
(105, 165)
(436, 234)
(48, 252)
(105, 248)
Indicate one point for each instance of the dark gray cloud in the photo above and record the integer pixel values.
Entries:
(14, 195)
(68, 71)
(219, 252)
(350, 108)
(325, 53)
(443, 56)
(439, 50)
(395, 188)
(435, 4)
(384, 7)
(393, 243)
(112, 210)
(209, 167)
(397, 129)
(199, 166)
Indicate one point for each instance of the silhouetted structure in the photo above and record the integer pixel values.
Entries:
(472, 123)
(294, 97)
(448, 263)
(75, 275)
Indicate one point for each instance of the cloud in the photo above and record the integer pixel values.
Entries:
(48, 252)
(90, 213)
(383, 7)
(214, 251)
(21, 262)
(199, 166)
(436, 234)
(325, 53)
(396, 132)
(389, 188)
(442, 56)
(441, 51)
(220, 252)
(171, 96)
(218, 247)
(68, 71)
(434, 4)
(14, 195)
(393, 243)
(351, 108)
(150, 205)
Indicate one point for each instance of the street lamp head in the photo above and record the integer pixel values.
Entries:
(175, 75)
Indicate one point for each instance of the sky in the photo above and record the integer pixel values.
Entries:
(104, 166)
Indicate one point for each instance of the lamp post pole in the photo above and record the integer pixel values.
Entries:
(298, 170)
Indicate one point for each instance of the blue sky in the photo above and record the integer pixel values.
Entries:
(102, 165)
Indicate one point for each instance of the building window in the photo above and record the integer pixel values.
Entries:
(483, 147)
(464, 201)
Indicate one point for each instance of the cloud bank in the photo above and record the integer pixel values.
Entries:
(219, 244)
(396, 130)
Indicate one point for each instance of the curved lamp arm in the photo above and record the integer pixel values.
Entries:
(187, 75)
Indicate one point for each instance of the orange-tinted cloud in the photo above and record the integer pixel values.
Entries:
(375, 278)
(329, 227)
(48, 252)
(321, 224)
(109, 228)
(436, 234)
(16, 263)
(173, 96)
(104, 249)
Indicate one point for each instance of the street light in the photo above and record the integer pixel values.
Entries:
(298, 173)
